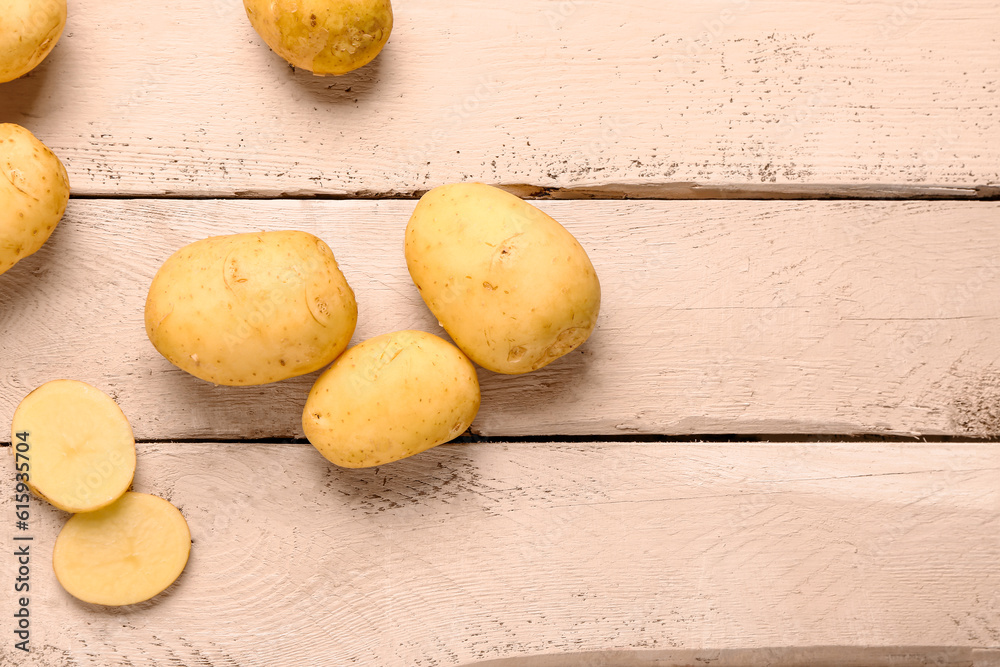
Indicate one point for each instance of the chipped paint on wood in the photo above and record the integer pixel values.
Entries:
(573, 94)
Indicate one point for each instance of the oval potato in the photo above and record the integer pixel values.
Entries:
(249, 309)
(323, 36)
(34, 192)
(29, 30)
(391, 397)
(511, 286)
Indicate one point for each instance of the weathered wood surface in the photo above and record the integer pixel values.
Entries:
(477, 552)
(717, 317)
(658, 97)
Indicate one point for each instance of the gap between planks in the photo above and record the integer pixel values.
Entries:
(650, 192)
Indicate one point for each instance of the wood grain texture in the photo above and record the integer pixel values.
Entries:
(717, 317)
(481, 552)
(653, 96)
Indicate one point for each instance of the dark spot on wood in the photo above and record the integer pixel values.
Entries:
(976, 408)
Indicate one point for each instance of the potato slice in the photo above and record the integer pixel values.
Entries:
(81, 451)
(125, 553)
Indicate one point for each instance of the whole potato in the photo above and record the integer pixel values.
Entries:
(390, 397)
(249, 309)
(28, 31)
(323, 36)
(34, 192)
(511, 286)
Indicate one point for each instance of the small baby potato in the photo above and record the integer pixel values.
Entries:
(323, 36)
(29, 29)
(249, 309)
(34, 192)
(80, 451)
(391, 397)
(511, 286)
(125, 553)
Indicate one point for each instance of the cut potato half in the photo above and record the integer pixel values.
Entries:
(125, 553)
(75, 445)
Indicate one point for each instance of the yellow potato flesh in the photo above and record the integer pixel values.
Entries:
(80, 447)
(34, 192)
(125, 553)
(511, 286)
(391, 397)
(323, 36)
(249, 309)
(29, 29)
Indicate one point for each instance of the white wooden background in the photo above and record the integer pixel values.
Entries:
(745, 316)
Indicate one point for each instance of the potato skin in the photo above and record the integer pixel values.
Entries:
(34, 192)
(391, 397)
(29, 30)
(323, 36)
(248, 309)
(511, 286)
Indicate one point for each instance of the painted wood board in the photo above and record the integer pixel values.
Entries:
(717, 317)
(657, 97)
(499, 551)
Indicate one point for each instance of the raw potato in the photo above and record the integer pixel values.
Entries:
(29, 29)
(249, 309)
(390, 397)
(81, 451)
(511, 286)
(34, 192)
(323, 36)
(122, 554)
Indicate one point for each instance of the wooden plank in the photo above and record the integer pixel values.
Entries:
(819, 656)
(717, 317)
(493, 551)
(654, 96)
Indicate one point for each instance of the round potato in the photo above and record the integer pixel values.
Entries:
(511, 286)
(390, 397)
(34, 192)
(249, 309)
(122, 554)
(75, 445)
(323, 36)
(29, 29)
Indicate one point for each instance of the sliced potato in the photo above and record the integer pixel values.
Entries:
(125, 553)
(80, 447)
